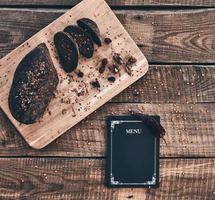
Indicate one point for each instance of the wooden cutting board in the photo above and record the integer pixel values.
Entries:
(67, 109)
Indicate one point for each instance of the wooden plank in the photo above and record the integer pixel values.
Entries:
(168, 77)
(163, 36)
(65, 115)
(190, 132)
(172, 84)
(202, 3)
(84, 179)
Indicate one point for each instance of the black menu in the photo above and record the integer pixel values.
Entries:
(132, 153)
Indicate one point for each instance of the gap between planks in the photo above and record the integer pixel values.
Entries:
(120, 3)
(96, 157)
(143, 8)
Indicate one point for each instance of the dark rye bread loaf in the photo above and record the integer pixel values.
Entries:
(67, 51)
(34, 83)
(92, 28)
(83, 40)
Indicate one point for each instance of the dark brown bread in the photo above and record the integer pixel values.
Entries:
(92, 28)
(83, 40)
(67, 51)
(34, 83)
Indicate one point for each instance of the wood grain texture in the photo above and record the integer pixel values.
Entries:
(172, 84)
(190, 132)
(75, 98)
(163, 36)
(84, 179)
(202, 3)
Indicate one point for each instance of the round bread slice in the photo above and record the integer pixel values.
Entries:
(67, 50)
(83, 40)
(92, 28)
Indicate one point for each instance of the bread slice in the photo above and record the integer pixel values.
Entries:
(83, 40)
(34, 83)
(92, 28)
(67, 50)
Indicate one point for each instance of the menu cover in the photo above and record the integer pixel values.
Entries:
(132, 153)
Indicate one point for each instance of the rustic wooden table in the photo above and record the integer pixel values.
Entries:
(178, 38)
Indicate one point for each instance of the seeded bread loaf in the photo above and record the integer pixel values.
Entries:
(34, 83)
